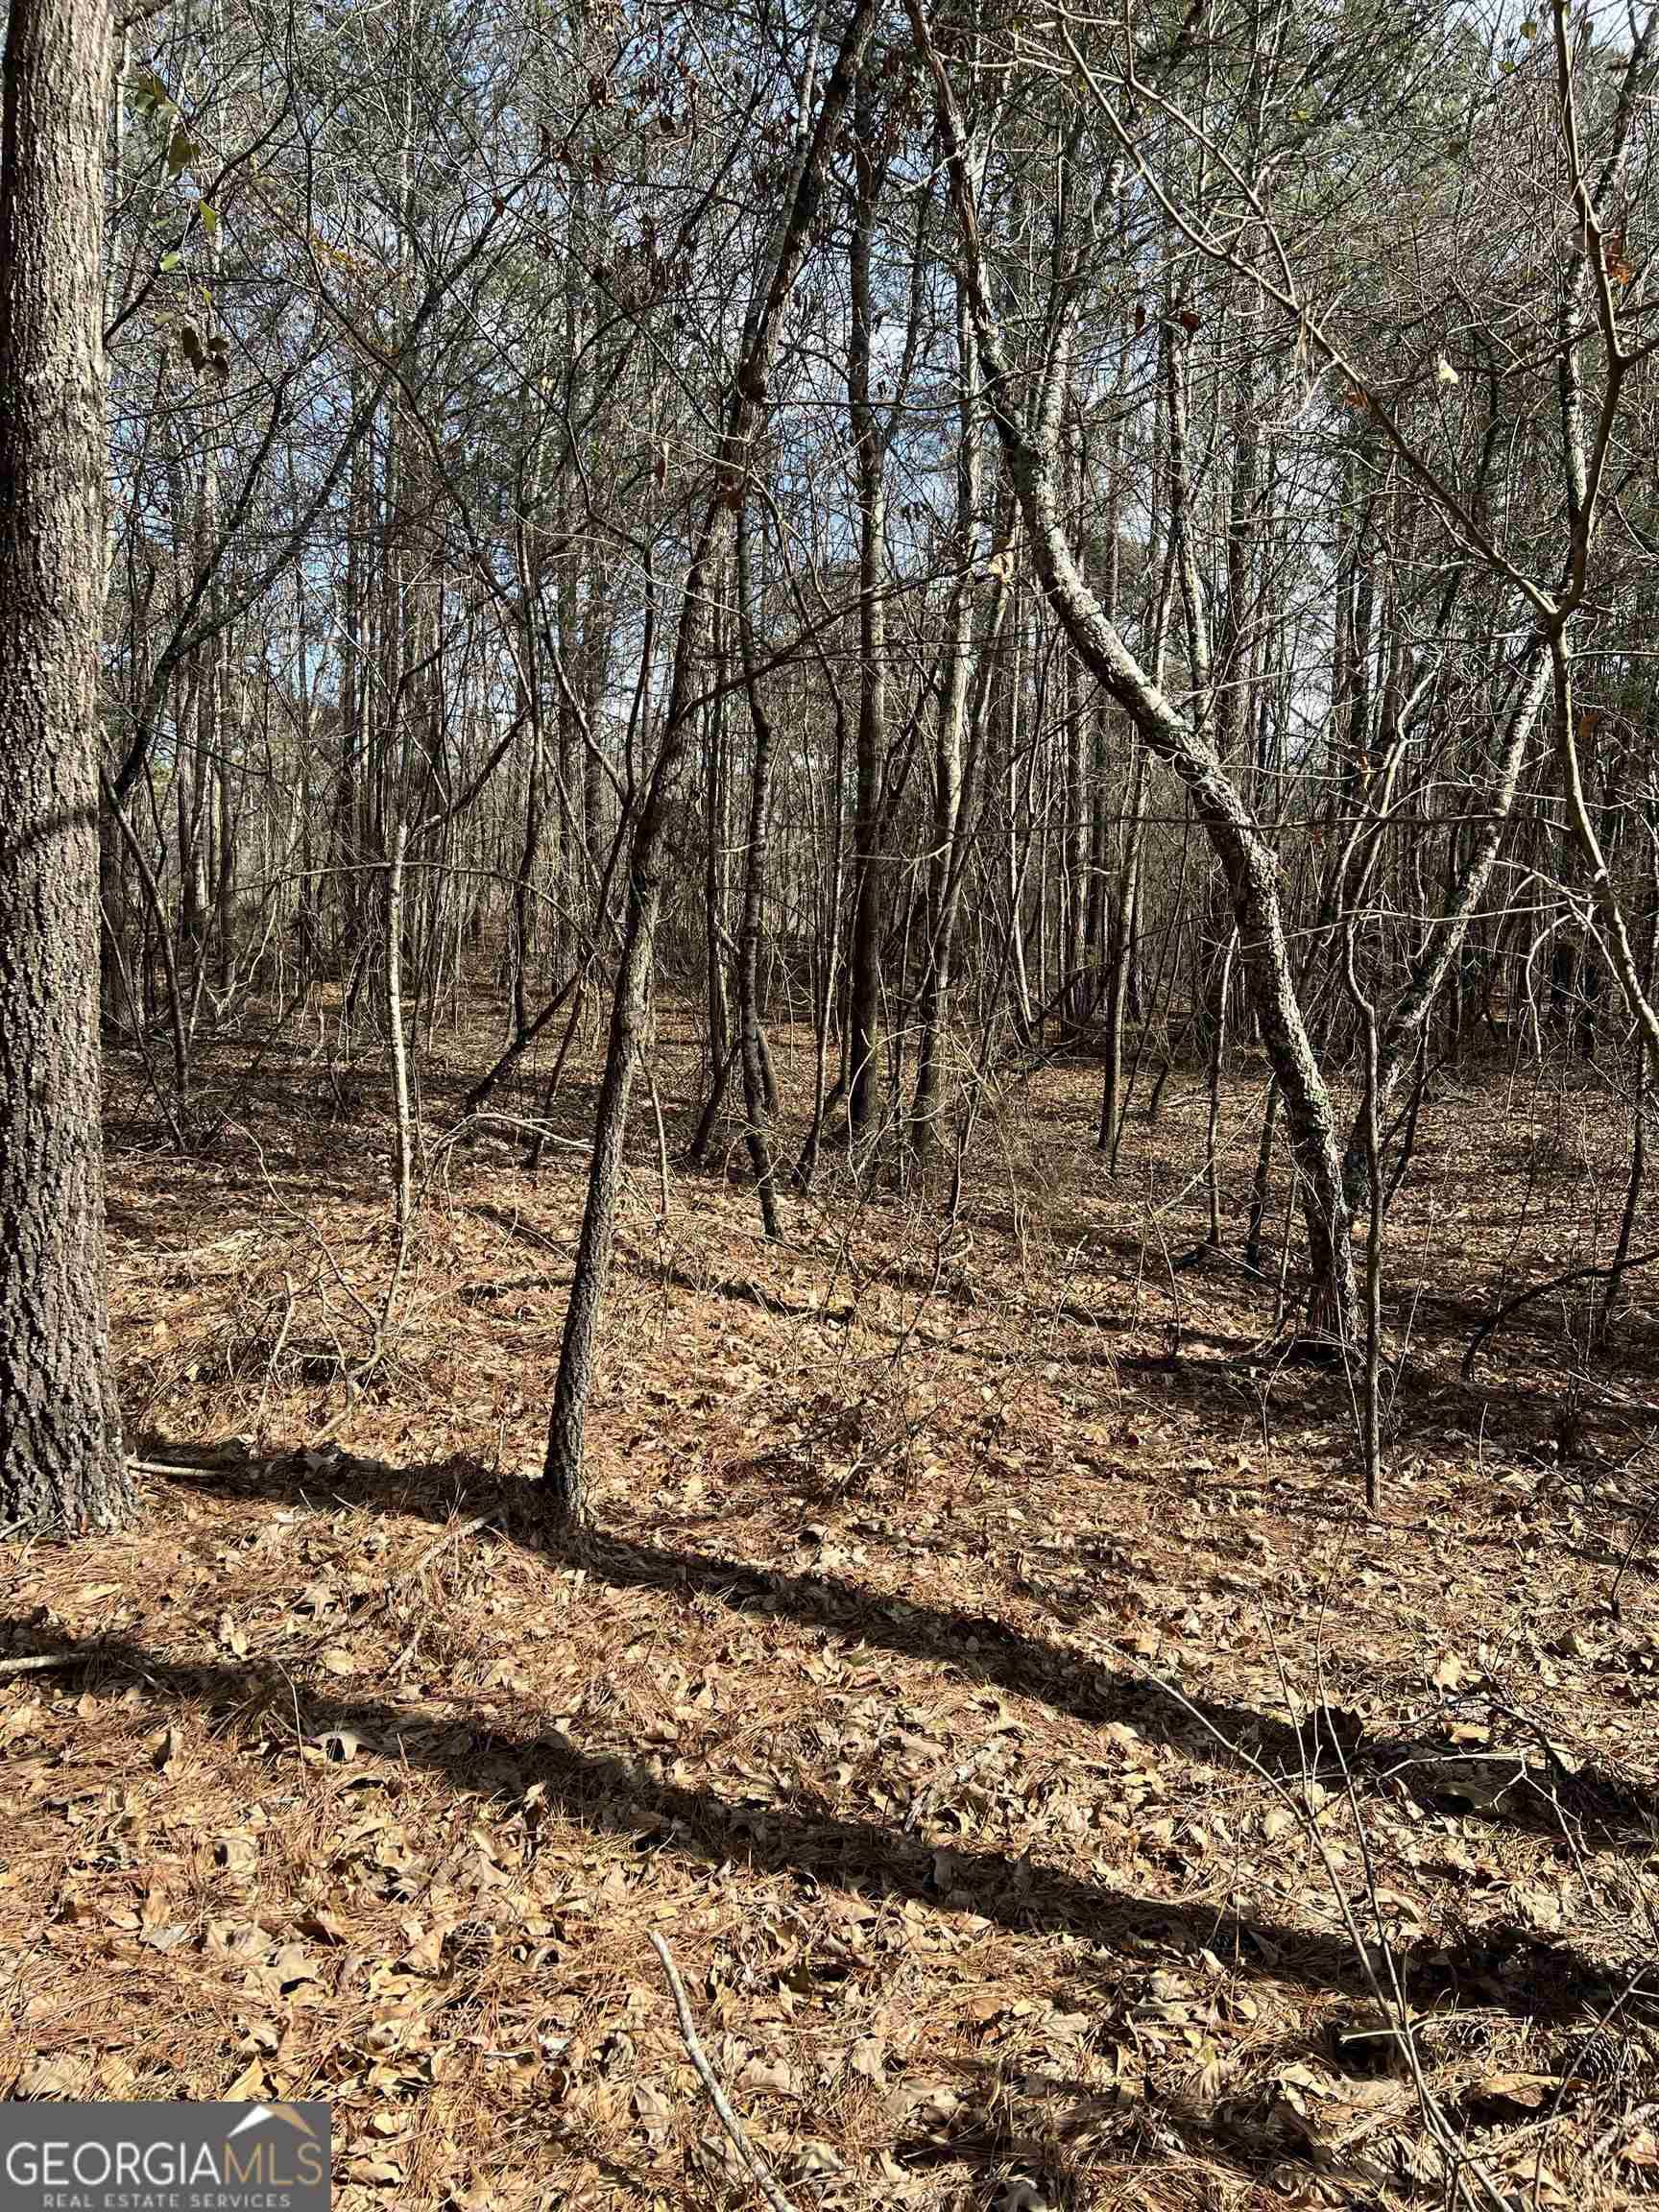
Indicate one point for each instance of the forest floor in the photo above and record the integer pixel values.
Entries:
(980, 1673)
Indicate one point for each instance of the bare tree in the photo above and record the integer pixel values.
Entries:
(741, 412)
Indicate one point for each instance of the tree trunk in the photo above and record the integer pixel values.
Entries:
(946, 856)
(62, 1464)
(1247, 862)
(631, 1004)
(865, 997)
(715, 803)
(756, 1093)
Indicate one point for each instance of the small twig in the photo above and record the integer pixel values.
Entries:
(306, 1222)
(650, 1076)
(1377, 1960)
(181, 1470)
(274, 1361)
(1496, 1319)
(766, 2179)
(1646, 1524)
(456, 1534)
(39, 1662)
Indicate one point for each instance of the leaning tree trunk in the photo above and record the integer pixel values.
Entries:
(62, 1464)
(631, 1002)
(1248, 865)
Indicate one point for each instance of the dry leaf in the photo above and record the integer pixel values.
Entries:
(236, 1853)
(772, 2075)
(870, 2058)
(653, 2111)
(62, 2076)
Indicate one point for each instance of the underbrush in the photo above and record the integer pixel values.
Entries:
(1052, 1788)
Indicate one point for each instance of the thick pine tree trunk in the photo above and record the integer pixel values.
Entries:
(62, 1464)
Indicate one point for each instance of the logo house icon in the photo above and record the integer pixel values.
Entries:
(275, 2152)
(288, 2115)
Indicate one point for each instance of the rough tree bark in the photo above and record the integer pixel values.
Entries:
(61, 1463)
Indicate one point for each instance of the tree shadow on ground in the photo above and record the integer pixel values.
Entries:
(1060, 2134)
(807, 1839)
(1592, 1806)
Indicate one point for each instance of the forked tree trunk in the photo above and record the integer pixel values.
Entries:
(62, 1464)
